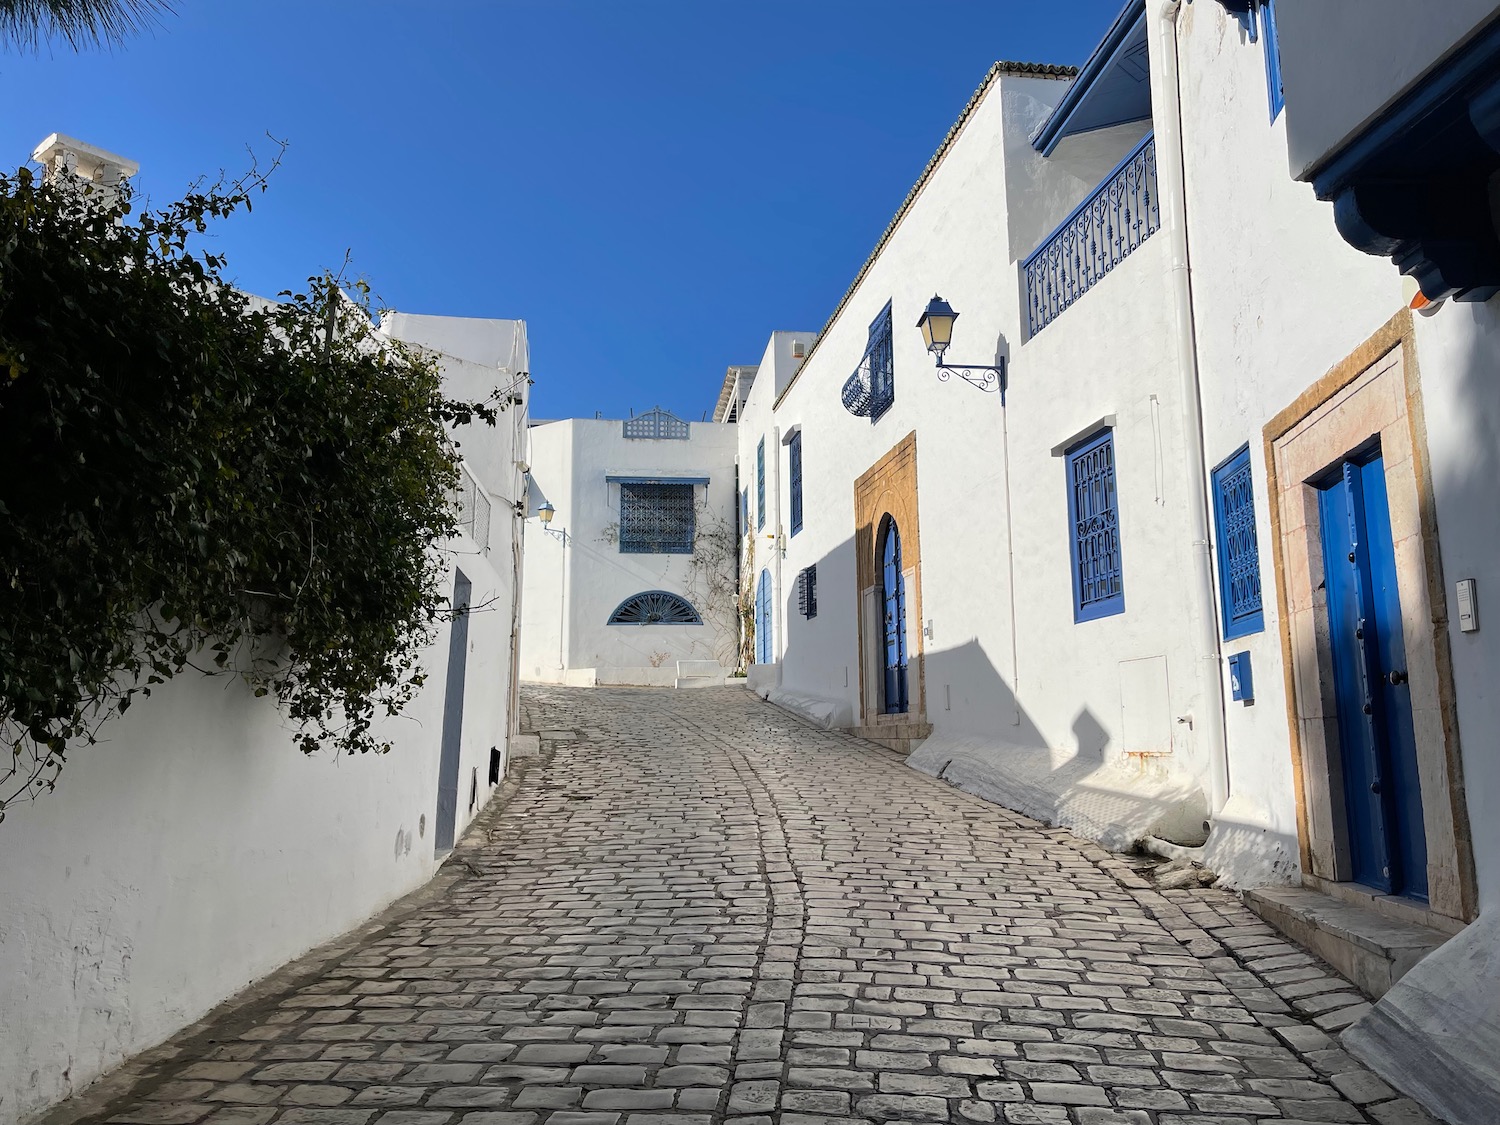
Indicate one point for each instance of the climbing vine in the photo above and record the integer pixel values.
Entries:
(200, 480)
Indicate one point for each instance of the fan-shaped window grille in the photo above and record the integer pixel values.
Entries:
(655, 607)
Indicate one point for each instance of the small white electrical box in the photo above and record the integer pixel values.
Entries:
(1468, 607)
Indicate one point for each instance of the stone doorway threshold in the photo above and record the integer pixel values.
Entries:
(901, 735)
(1371, 939)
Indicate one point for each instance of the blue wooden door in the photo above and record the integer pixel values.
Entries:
(893, 596)
(763, 648)
(1382, 792)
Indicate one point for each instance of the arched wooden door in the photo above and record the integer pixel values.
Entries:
(893, 598)
(763, 648)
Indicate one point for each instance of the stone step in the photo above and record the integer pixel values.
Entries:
(1364, 944)
(903, 738)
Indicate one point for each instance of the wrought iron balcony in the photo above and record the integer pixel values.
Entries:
(1101, 232)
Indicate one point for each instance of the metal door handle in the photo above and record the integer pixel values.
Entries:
(1397, 678)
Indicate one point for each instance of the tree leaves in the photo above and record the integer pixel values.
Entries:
(197, 480)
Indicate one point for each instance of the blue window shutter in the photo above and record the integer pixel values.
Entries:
(1272, 48)
(881, 354)
(1094, 529)
(794, 457)
(745, 512)
(1239, 553)
(760, 484)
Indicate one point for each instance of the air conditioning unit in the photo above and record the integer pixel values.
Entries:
(799, 349)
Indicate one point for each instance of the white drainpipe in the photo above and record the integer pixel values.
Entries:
(1203, 621)
(778, 626)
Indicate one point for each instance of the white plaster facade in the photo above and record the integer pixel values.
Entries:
(1244, 309)
(577, 575)
(195, 849)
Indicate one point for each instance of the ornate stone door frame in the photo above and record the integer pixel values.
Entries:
(1374, 393)
(889, 487)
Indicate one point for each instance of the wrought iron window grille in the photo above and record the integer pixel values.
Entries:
(807, 592)
(871, 390)
(794, 466)
(1239, 554)
(473, 504)
(657, 424)
(657, 519)
(1093, 512)
(655, 607)
(1102, 231)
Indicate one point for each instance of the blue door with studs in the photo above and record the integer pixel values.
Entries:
(763, 647)
(1378, 753)
(893, 597)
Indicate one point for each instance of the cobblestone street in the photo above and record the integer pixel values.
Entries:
(695, 909)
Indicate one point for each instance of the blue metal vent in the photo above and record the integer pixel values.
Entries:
(1098, 583)
(1101, 233)
(655, 607)
(658, 424)
(656, 519)
(1239, 556)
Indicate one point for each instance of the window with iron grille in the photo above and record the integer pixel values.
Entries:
(655, 607)
(1098, 584)
(656, 519)
(794, 462)
(882, 364)
(760, 485)
(1272, 49)
(1239, 555)
(807, 592)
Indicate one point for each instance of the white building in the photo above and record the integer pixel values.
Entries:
(632, 580)
(1199, 570)
(196, 849)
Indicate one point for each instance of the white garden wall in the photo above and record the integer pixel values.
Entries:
(195, 849)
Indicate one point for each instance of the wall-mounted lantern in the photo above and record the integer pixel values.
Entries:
(937, 330)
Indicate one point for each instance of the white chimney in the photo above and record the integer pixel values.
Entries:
(59, 155)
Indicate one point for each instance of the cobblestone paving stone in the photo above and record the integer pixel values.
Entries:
(696, 909)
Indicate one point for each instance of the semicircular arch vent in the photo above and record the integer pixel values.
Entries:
(655, 607)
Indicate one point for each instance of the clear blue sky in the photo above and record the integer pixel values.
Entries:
(653, 185)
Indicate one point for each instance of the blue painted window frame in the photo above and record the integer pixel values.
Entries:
(1109, 506)
(881, 350)
(1271, 45)
(760, 485)
(1233, 484)
(745, 511)
(794, 473)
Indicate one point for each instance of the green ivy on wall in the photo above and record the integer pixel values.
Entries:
(194, 479)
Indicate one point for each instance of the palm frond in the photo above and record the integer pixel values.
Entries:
(79, 23)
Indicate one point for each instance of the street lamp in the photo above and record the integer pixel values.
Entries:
(936, 324)
(544, 512)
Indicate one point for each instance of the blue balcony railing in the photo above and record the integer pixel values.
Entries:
(1102, 231)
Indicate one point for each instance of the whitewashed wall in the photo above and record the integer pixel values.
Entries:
(571, 591)
(1025, 708)
(1279, 299)
(195, 849)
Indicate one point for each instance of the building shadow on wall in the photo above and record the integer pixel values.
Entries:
(983, 740)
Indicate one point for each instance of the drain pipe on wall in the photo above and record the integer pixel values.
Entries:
(1172, 181)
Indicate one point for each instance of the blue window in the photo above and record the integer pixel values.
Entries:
(1093, 513)
(745, 512)
(760, 484)
(880, 354)
(656, 519)
(807, 591)
(1272, 51)
(794, 459)
(1239, 556)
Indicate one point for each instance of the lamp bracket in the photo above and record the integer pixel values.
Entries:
(987, 377)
